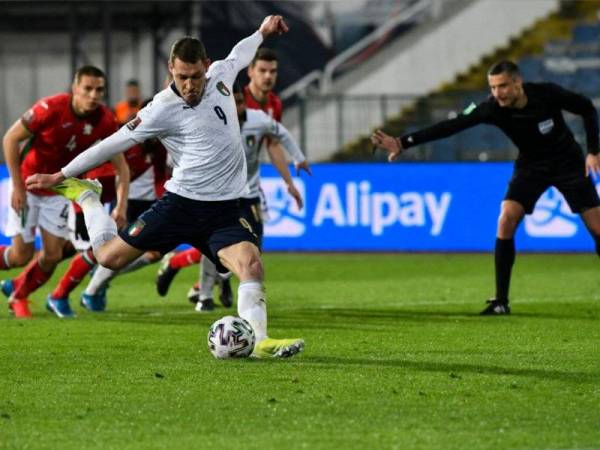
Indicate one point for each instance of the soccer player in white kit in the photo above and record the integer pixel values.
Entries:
(195, 119)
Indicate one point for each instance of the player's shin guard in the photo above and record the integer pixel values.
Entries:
(252, 306)
(208, 277)
(504, 259)
(100, 280)
(101, 227)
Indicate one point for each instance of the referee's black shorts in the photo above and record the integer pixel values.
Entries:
(528, 184)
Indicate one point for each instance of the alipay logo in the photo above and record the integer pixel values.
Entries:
(285, 219)
(551, 217)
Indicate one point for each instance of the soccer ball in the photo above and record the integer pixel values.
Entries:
(231, 337)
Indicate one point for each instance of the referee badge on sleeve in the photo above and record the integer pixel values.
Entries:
(546, 126)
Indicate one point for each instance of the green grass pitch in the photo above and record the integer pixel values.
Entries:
(396, 357)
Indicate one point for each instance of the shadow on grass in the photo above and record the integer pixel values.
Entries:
(331, 362)
(333, 318)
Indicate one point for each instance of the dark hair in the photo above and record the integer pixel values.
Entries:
(237, 88)
(188, 49)
(264, 54)
(133, 82)
(91, 71)
(505, 66)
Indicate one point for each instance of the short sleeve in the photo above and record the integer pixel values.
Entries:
(38, 116)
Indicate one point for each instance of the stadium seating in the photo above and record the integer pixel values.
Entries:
(573, 63)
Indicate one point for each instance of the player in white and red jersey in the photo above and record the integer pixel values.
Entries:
(54, 130)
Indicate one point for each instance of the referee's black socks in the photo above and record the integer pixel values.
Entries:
(504, 258)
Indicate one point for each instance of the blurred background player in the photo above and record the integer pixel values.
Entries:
(127, 108)
(53, 131)
(258, 94)
(531, 115)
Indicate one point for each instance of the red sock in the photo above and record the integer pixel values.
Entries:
(185, 258)
(4, 257)
(30, 279)
(80, 266)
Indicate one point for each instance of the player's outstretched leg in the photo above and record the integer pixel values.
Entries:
(86, 193)
(94, 297)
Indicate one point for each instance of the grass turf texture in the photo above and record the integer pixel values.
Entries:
(396, 357)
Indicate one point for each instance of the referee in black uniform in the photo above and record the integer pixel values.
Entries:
(530, 114)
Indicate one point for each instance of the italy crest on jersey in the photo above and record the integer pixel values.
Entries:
(223, 89)
(136, 228)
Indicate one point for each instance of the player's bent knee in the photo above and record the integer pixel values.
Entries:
(20, 259)
(112, 262)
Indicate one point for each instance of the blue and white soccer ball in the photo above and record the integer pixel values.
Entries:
(231, 337)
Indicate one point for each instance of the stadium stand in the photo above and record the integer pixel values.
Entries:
(572, 61)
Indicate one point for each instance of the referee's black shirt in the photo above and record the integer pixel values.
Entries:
(538, 130)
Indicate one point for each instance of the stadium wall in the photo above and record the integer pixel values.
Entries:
(35, 65)
(416, 64)
(450, 207)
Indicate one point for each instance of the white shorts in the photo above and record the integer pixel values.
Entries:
(49, 212)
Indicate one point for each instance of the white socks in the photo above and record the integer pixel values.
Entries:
(208, 276)
(136, 264)
(101, 227)
(252, 306)
(102, 275)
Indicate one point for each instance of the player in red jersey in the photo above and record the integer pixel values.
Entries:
(53, 131)
(258, 94)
